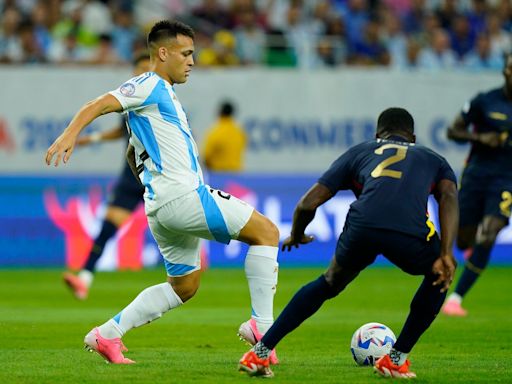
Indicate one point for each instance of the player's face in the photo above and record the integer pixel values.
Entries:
(180, 60)
(141, 67)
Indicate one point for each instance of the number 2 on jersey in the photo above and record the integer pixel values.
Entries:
(381, 168)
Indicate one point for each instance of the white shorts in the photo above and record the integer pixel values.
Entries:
(205, 213)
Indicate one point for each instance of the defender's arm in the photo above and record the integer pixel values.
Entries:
(444, 266)
(458, 132)
(304, 214)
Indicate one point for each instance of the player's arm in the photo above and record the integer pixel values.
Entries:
(446, 196)
(113, 134)
(459, 132)
(63, 146)
(130, 158)
(304, 214)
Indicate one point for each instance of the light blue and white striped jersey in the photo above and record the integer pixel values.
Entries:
(159, 126)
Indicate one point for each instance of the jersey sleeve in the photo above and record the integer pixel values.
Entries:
(133, 93)
(339, 174)
(445, 172)
(471, 110)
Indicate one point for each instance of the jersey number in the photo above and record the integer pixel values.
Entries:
(380, 170)
(506, 203)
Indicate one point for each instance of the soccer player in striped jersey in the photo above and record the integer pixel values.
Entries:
(180, 208)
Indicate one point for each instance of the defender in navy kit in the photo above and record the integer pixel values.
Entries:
(392, 178)
(485, 195)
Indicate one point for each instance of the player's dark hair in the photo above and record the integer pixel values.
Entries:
(226, 109)
(140, 56)
(168, 29)
(395, 120)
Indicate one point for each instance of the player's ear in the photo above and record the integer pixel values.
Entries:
(163, 53)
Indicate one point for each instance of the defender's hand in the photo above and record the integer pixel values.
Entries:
(491, 139)
(290, 242)
(444, 268)
(62, 147)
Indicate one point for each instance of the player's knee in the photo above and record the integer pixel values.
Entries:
(268, 233)
(487, 238)
(186, 291)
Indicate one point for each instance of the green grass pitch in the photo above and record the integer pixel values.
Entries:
(42, 327)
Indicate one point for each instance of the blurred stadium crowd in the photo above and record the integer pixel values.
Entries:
(399, 34)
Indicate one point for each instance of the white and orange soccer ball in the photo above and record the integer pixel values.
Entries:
(370, 342)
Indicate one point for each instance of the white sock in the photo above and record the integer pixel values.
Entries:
(86, 276)
(455, 297)
(397, 357)
(261, 269)
(149, 305)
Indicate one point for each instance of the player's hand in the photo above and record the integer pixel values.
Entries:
(444, 268)
(291, 241)
(491, 139)
(62, 148)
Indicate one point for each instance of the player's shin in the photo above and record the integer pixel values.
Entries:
(424, 308)
(149, 305)
(261, 269)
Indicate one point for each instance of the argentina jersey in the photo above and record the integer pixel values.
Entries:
(161, 137)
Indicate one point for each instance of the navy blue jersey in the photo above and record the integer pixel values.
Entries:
(490, 112)
(392, 181)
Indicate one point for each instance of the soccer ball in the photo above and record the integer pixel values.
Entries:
(370, 342)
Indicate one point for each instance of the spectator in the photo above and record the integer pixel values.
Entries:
(250, 38)
(482, 57)
(221, 51)
(462, 37)
(124, 34)
(225, 142)
(395, 40)
(477, 16)
(104, 52)
(439, 54)
(370, 50)
(501, 41)
(10, 49)
(31, 52)
(40, 19)
(446, 13)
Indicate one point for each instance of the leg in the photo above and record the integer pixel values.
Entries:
(308, 300)
(182, 262)
(486, 236)
(497, 212)
(261, 269)
(466, 237)
(302, 306)
(424, 308)
(80, 284)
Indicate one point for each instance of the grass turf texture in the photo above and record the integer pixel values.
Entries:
(42, 328)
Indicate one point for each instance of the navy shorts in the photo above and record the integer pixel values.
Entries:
(482, 195)
(358, 247)
(128, 192)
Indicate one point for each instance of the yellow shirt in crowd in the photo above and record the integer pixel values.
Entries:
(224, 146)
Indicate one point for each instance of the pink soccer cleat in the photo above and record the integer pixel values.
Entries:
(254, 366)
(385, 367)
(110, 349)
(77, 286)
(249, 333)
(453, 308)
